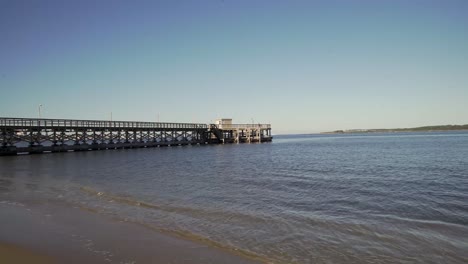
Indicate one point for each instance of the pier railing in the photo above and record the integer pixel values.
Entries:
(36, 122)
(244, 126)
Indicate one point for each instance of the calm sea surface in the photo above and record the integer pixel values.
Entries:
(380, 198)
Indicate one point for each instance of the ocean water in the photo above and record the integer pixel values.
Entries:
(361, 198)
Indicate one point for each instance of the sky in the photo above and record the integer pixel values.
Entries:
(303, 66)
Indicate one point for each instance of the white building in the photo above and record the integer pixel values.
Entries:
(224, 123)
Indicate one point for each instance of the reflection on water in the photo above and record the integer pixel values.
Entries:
(382, 198)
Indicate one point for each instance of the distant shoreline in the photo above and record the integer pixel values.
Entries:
(396, 130)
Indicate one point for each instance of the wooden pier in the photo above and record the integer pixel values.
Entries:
(31, 135)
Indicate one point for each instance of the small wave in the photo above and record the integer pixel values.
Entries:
(423, 221)
(184, 234)
(12, 203)
(189, 211)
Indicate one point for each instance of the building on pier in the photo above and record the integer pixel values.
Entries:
(227, 122)
(241, 133)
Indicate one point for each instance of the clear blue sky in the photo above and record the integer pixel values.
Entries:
(304, 66)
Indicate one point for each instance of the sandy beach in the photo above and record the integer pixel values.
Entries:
(19, 255)
(57, 234)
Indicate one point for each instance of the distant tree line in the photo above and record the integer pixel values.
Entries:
(414, 129)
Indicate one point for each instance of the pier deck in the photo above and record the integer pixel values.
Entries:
(31, 135)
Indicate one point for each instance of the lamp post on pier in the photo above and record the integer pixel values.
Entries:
(39, 110)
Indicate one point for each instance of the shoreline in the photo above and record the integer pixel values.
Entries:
(392, 131)
(54, 233)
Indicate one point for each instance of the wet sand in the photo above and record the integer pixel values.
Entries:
(58, 234)
(15, 254)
